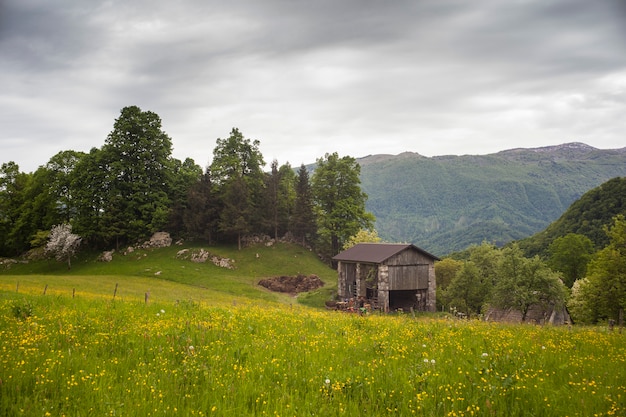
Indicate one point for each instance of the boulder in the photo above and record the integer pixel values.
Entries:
(106, 256)
(159, 240)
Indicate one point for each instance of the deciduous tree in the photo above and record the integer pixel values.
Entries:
(339, 201)
(139, 158)
(570, 255)
(14, 185)
(63, 244)
(524, 282)
(362, 236)
(445, 272)
(238, 179)
(468, 289)
(124, 187)
(603, 293)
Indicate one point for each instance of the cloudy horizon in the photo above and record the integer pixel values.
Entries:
(436, 77)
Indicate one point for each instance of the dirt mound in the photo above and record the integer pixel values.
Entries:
(292, 285)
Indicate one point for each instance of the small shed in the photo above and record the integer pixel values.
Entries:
(388, 276)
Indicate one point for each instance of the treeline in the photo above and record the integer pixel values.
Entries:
(130, 187)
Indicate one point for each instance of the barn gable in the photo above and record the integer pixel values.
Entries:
(389, 276)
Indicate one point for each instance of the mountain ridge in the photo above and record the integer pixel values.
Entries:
(446, 203)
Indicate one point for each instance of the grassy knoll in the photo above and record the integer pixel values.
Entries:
(155, 270)
(63, 356)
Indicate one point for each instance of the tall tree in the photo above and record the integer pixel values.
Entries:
(95, 219)
(60, 169)
(123, 188)
(279, 198)
(39, 210)
(184, 175)
(303, 224)
(287, 197)
(201, 210)
(139, 155)
(13, 187)
(238, 179)
(272, 200)
(339, 201)
(235, 217)
(237, 157)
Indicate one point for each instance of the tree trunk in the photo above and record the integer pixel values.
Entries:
(334, 244)
(525, 313)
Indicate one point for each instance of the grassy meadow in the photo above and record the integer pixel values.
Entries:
(197, 348)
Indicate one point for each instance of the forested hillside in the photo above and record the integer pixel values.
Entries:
(587, 216)
(446, 203)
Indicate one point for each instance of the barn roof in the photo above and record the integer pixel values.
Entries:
(376, 252)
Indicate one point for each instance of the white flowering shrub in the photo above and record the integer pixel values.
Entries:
(63, 244)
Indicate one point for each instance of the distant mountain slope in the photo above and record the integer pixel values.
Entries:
(447, 203)
(586, 216)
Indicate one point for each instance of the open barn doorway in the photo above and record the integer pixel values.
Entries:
(406, 300)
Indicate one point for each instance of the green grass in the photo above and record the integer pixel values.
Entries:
(151, 270)
(210, 342)
(63, 356)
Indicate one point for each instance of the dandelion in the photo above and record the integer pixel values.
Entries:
(485, 354)
(327, 381)
(432, 361)
(426, 360)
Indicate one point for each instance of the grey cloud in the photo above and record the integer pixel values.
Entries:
(363, 76)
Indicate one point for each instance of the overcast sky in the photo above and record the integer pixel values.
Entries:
(305, 78)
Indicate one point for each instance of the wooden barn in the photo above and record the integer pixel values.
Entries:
(387, 276)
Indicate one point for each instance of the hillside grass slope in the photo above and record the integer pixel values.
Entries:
(211, 342)
(167, 277)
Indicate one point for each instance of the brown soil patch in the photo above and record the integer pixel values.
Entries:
(292, 285)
